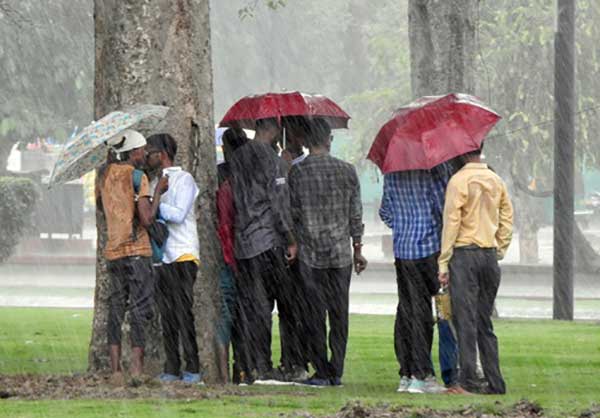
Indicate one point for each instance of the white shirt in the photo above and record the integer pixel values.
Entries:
(178, 209)
(299, 159)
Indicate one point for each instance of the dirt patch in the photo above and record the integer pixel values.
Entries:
(522, 409)
(92, 386)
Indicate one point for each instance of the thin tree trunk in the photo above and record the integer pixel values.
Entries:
(159, 52)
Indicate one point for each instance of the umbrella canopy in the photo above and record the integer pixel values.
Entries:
(246, 111)
(430, 131)
(88, 150)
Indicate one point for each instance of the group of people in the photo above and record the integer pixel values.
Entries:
(290, 227)
(450, 227)
(152, 250)
(291, 231)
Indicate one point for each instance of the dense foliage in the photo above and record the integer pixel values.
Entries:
(17, 202)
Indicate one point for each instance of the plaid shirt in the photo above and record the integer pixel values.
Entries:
(326, 209)
(412, 206)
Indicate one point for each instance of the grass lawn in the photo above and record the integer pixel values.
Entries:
(556, 364)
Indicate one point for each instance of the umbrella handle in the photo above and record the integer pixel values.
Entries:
(284, 138)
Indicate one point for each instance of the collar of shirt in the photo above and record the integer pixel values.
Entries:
(476, 165)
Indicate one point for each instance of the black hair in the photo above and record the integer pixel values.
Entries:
(298, 124)
(234, 138)
(163, 142)
(319, 132)
(474, 153)
(264, 123)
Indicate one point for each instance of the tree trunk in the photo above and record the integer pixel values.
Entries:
(159, 52)
(442, 46)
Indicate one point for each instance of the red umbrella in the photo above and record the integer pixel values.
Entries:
(430, 131)
(249, 109)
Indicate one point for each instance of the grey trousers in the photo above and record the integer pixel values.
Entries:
(474, 281)
(132, 288)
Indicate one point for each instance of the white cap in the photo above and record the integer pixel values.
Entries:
(127, 140)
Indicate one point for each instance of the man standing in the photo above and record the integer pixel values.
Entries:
(177, 274)
(296, 130)
(412, 206)
(264, 245)
(327, 213)
(478, 218)
(127, 248)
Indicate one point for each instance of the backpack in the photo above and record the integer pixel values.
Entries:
(158, 230)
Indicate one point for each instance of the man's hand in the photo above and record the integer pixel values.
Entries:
(360, 263)
(162, 185)
(287, 156)
(292, 253)
(444, 279)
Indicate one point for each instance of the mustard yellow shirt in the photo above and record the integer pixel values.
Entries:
(188, 257)
(477, 211)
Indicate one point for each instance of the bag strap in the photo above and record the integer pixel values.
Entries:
(137, 183)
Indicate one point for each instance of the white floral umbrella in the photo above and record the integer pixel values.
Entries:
(88, 150)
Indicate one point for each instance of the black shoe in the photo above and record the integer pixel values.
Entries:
(483, 388)
(337, 381)
(317, 382)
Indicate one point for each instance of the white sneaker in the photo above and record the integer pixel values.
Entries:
(404, 384)
(429, 385)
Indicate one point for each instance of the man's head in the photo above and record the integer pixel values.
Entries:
(268, 131)
(320, 136)
(129, 146)
(473, 156)
(160, 151)
(297, 129)
(233, 138)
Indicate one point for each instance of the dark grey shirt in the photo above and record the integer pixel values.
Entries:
(326, 209)
(261, 198)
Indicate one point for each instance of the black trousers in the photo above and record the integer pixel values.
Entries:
(327, 294)
(417, 282)
(293, 342)
(474, 281)
(175, 298)
(263, 280)
(132, 288)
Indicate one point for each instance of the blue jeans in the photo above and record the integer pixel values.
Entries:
(448, 353)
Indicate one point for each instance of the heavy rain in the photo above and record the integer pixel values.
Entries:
(340, 208)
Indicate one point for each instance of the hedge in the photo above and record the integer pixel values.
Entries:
(18, 197)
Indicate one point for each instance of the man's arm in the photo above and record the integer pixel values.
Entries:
(279, 194)
(456, 196)
(185, 195)
(147, 209)
(386, 210)
(356, 223)
(505, 225)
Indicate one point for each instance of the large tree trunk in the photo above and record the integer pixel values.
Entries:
(159, 52)
(442, 46)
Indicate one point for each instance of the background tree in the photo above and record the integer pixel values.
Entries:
(46, 70)
(160, 52)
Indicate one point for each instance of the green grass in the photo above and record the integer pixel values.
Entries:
(554, 363)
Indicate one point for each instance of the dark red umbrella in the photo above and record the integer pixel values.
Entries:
(249, 109)
(430, 131)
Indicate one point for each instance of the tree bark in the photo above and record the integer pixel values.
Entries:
(159, 52)
(442, 46)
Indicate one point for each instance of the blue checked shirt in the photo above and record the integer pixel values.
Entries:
(412, 206)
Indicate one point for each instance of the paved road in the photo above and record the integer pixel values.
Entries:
(373, 292)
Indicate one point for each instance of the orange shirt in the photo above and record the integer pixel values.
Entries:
(117, 194)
